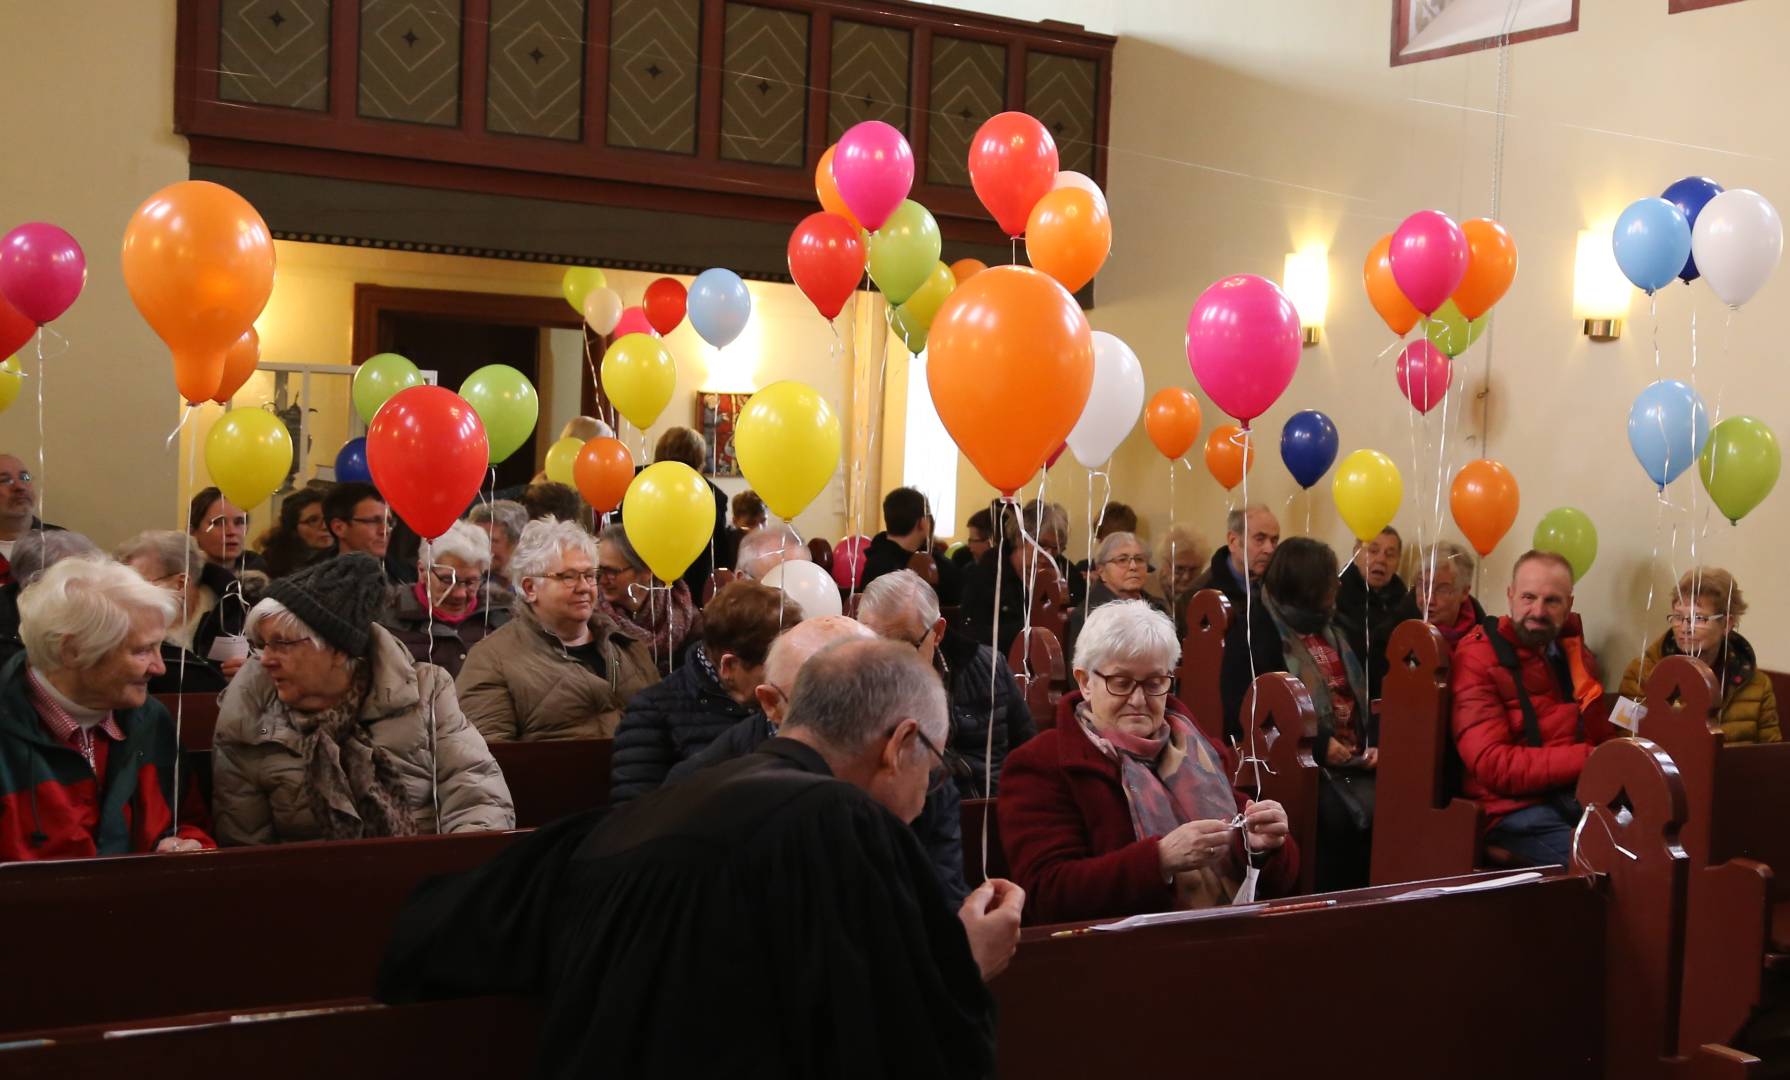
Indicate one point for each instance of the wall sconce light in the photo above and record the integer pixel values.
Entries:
(1600, 294)
(1306, 280)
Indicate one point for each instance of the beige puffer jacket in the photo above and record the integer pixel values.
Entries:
(519, 684)
(257, 770)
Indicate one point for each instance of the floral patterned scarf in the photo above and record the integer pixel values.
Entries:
(354, 787)
(665, 625)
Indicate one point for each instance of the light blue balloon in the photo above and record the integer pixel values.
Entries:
(1652, 242)
(719, 305)
(1667, 428)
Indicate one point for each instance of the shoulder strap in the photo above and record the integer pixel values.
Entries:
(1507, 659)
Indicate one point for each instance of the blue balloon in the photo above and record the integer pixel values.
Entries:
(1308, 446)
(1652, 242)
(351, 463)
(1667, 428)
(1690, 195)
(719, 306)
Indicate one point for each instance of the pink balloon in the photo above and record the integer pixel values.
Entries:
(1424, 373)
(633, 321)
(1429, 259)
(848, 553)
(873, 168)
(1243, 344)
(42, 270)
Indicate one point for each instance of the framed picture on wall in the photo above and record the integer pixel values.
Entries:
(1431, 29)
(715, 416)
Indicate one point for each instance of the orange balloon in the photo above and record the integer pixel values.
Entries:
(1229, 451)
(602, 471)
(828, 191)
(1068, 236)
(1172, 420)
(1010, 363)
(1491, 267)
(1484, 502)
(963, 269)
(198, 261)
(239, 363)
(1399, 313)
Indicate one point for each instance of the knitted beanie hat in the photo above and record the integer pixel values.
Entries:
(339, 598)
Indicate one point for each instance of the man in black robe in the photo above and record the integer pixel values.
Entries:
(773, 916)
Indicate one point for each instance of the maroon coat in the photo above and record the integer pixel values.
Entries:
(1067, 832)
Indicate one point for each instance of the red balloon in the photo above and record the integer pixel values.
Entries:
(15, 329)
(664, 304)
(1424, 373)
(826, 257)
(427, 451)
(1054, 455)
(1013, 163)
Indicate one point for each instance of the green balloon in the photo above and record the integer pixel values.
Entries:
(507, 405)
(378, 378)
(1452, 332)
(904, 251)
(1568, 533)
(1740, 465)
(905, 326)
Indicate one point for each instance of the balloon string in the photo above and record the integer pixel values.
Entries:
(1659, 521)
(42, 471)
(1253, 756)
(994, 648)
(1087, 592)
(490, 499)
(429, 698)
(180, 525)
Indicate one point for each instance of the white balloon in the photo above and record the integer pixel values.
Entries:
(1737, 241)
(1069, 178)
(602, 309)
(808, 585)
(1114, 403)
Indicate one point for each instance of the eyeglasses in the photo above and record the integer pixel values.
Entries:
(276, 646)
(240, 521)
(570, 578)
(610, 573)
(1128, 560)
(1676, 620)
(9, 479)
(951, 765)
(379, 522)
(449, 580)
(1123, 685)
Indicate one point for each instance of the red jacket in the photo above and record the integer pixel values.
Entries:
(1502, 771)
(1067, 832)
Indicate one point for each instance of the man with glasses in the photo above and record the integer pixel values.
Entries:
(357, 518)
(1121, 572)
(18, 510)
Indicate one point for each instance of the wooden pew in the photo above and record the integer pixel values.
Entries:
(198, 715)
(551, 779)
(920, 562)
(1275, 762)
(822, 553)
(1037, 662)
(715, 582)
(1050, 599)
(975, 812)
(1202, 658)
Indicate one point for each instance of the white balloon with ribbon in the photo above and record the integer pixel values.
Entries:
(1115, 402)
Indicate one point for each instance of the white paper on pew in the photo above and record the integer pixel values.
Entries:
(1246, 891)
(228, 647)
(1470, 886)
(1628, 715)
(1169, 918)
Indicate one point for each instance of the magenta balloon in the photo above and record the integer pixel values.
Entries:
(873, 168)
(1243, 344)
(1429, 259)
(42, 270)
(633, 321)
(851, 552)
(1424, 373)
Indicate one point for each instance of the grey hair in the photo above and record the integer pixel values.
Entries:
(891, 599)
(269, 609)
(87, 602)
(1113, 542)
(40, 549)
(463, 541)
(1056, 519)
(1445, 553)
(507, 514)
(851, 693)
(543, 544)
(1126, 630)
(768, 540)
(1238, 520)
(586, 428)
(174, 552)
(617, 534)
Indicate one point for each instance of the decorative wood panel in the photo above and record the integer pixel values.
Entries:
(764, 92)
(653, 74)
(1060, 92)
(410, 61)
(535, 80)
(871, 76)
(969, 85)
(274, 52)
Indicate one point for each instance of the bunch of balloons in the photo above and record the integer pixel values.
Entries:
(1731, 239)
(1450, 276)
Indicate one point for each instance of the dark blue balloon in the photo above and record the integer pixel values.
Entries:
(1690, 195)
(1308, 446)
(351, 462)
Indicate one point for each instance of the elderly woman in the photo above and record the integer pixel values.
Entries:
(1124, 807)
(171, 561)
(1299, 594)
(674, 720)
(334, 732)
(88, 761)
(1441, 577)
(664, 620)
(450, 608)
(561, 669)
(1182, 560)
(301, 537)
(1705, 623)
(1121, 572)
(502, 521)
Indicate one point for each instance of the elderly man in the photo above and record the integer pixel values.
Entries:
(503, 520)
(18, 509)
(356, 516)
(88, 762)
(907, 531)
(763, 550)
(1527, 713)
(779, 897)
(1121, 572)
(1370, 590)
(1250, 537)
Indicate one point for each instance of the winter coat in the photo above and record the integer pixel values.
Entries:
(1220, 576)
(966, 664)
(408, 620)
(1749, 707)
(258, 764)
(978, 610)
(885, 556)
(1360, 609)
(669, 722)
(1098, 594)
(520, 684)
(1277, 647)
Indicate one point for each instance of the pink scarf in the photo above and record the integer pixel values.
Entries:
(422, 597)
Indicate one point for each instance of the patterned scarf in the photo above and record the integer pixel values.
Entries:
(355, 788)
(665, 625)
(422, 597)
(1170, 778)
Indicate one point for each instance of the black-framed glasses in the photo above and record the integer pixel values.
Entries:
(951, 766)
(1123, 685)
(379, 522)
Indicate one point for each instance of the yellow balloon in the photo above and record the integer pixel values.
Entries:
(787, 443)
(669, 516)
(576, 284)
(914, 318)
(639, 377)
(248, 454)
(11, 381)
(560, 458)
(1367, 490)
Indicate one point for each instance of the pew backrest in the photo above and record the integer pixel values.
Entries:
(1202, 661)
(921, 563)
(822, 553)
(1421, 829)
(197, 715)
(1037, 662)
(554, 778)
(1275, 759)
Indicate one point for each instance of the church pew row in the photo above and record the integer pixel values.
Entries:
(1202, 658)
(1275, 759)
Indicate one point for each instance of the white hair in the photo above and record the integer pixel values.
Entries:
(86, 604)
(543, 545)
(271, 610)
(1444, 554)
(40, 549)
(1110, 546)
(1126, 630)
(463, 541)
(760, 543)
(507, 514)
(586, 428)
(895, 599)
(174, 552)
